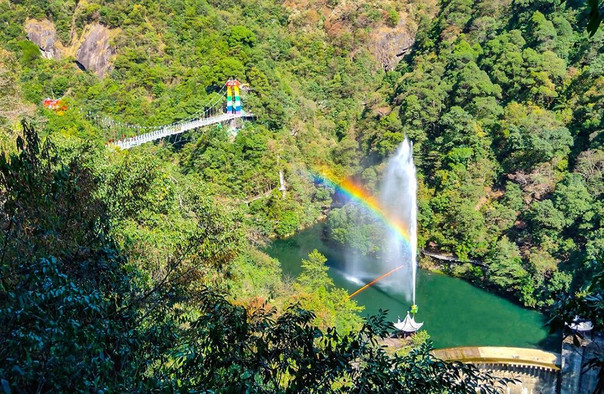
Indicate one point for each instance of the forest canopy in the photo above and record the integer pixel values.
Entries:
(144, 270)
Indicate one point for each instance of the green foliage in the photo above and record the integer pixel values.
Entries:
(505, 266)
(231, 349)
(314, 272)
(353, 226)
(47, 204)
(543, 31)
(596, 15)
(66, 319)
(81, 337)
(586, 303)
(503, 102)
(241, 35)
(499, 100)
(318, 294)
(255, 276)
(76, 314)
(29, 52)
(534, 136)
(393, 18)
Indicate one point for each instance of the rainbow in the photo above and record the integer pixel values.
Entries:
(365, 198)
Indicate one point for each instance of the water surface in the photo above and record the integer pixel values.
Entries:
(454, 312)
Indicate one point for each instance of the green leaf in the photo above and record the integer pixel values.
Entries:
(5, 386)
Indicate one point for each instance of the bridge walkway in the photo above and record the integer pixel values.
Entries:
(167, 131)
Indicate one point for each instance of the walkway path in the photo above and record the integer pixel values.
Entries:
(501, 355)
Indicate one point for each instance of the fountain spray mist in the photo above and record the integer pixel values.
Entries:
(398, 195)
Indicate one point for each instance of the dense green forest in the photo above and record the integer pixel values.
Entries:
(171, 59)
(504, 103)
(78, 313)
(143, 270)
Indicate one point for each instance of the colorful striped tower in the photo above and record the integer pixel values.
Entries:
(229, 98)
(237, 99)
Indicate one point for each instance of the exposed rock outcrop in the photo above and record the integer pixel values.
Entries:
(389, 45)
(96, 51)
(93, 49)
(386, 28)
(44, 35)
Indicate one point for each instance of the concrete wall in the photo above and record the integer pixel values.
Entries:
(574, 378)
(533, 380)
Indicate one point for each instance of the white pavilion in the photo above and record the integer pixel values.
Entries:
(408, 326)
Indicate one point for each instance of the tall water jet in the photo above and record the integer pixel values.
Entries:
(398, 197)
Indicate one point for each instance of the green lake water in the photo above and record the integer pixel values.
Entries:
(454, 312)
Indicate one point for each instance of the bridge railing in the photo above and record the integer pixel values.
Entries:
(167, 131)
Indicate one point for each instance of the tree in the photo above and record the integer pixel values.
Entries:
(11, 105)
(505, 266)
(66, 318)
(314, 272)
(543, 31)
(239, 35)
(235, 350)
(472, 82)
(316, 292)
(573, 199)
(533, 135)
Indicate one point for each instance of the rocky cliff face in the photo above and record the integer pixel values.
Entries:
(386, 28)
(389, 45)
(96, 51)
(44, 35)
(93, 49)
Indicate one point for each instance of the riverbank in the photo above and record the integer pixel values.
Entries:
(455, 312)
(472, 271)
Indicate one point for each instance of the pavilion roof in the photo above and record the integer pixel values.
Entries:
(408, 324)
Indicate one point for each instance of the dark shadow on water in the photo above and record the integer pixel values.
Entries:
(388, 295)
(553, 342)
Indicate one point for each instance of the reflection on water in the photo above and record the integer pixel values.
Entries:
(455, 312)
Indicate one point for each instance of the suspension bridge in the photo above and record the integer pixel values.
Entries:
(214, 112)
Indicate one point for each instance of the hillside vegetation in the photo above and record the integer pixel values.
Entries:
(143, 270)
(310, 67)
(504, 103)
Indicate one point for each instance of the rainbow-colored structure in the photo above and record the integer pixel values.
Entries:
(233, 106)
(212, 113)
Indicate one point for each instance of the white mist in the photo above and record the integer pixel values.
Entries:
(398, 197)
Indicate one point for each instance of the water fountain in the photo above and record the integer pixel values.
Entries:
(396, 208)
(398, 198)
